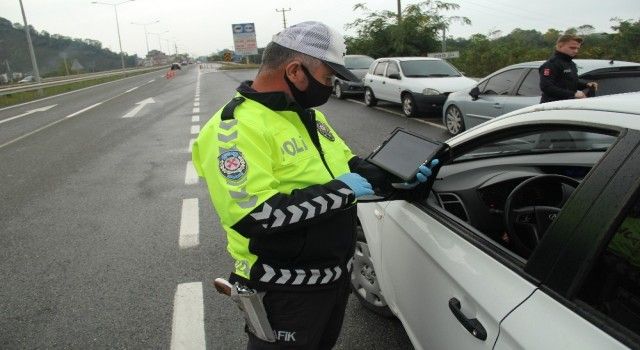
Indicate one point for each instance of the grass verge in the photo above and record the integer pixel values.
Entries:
(238, 66)
(26, 96)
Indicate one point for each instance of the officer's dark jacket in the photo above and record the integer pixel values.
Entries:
(559, 78)
(290, 224)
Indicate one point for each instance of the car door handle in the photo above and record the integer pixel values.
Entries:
(378, 214)
(384, 82)
(471, 324)
(497, 105)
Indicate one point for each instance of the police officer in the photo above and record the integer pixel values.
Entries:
(284, 185)
(559, 75)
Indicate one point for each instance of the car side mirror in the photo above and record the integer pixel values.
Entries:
(475, 92)
(394, 76)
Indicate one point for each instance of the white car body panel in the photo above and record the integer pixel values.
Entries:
(556, 327)
(446, 265)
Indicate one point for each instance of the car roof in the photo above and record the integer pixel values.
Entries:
(625, 107)
(583, 65)
(357, 56)
(409, 58)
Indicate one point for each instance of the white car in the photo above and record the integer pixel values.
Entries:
(509, 245)
(420, 84)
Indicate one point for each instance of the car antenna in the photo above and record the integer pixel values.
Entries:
(611, 62)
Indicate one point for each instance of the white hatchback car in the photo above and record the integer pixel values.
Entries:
(420, 84)
(527, 236)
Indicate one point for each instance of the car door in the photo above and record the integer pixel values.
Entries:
(495, 93)
(392, 83)
(591, 298)
(450, 284)
(374, 81)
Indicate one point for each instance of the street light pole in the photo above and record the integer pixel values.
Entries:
(115, 9)
(146, 34)
(284, 18)
(34, 64)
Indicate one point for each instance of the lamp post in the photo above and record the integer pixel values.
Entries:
(34, 64)
(146, 34)
(115, 9)
(160, 38)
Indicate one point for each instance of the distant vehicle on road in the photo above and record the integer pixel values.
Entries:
(518, 86)
(420, 84)
(175, 66)
(358, 65)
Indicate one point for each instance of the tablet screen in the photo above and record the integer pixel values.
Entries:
(403, 153)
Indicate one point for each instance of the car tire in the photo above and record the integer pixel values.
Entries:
(337, 89)
(364, 282)
(409, 107)
(369, 99)
(453, 120)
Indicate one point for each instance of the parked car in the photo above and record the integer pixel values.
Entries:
(420, 84)
(517, 86)
(526, 238)
(358, 65)
(27, 79)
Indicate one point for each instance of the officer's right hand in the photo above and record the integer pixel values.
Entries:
(580, 94)
(358, 184)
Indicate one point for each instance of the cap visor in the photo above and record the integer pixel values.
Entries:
(342, 72)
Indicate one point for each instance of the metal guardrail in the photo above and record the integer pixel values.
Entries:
(62, 81)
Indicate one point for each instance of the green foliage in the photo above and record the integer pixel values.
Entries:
(50, 50)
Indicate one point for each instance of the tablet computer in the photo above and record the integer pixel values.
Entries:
(403, 152)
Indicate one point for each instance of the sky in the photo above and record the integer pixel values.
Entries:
(202, 27)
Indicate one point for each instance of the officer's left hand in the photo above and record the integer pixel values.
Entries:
(423, 174)
(593, 85)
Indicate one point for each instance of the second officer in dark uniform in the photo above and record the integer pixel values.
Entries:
(559, 74)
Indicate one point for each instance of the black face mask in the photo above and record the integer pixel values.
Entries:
(316, 94)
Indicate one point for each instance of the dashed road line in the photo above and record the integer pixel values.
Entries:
(195, 129)
(189, 224)
(191, 145)
(195, 118)
(196, 110)
(132, 89)
(187, 329)
(401, 115)
(190, 174)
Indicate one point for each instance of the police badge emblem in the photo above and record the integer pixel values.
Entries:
(324, 130)
(232, 165)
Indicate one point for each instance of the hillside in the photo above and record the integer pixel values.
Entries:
(51, 51)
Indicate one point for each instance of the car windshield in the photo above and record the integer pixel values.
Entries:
(547, 142)
(362, 62)
(428, 68)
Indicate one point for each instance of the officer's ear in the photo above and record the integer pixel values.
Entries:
(294, 72)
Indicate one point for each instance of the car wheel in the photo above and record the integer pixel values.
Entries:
(369, 99)
(365, 283)
(409, 107)
(453, 120)
(337, 89)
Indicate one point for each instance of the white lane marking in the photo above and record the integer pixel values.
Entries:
(187, 329)
(132, 89)
(189, 224)
(191, 145)
(151, 81)
(190, 174)
(197, 99)
(196, 104)
(195, 118)
(196, 110)
(195, 129)
(140, 105)
(41, 109)
(402, 115)
(50, 124)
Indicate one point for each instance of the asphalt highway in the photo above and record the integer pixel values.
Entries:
(107, 238)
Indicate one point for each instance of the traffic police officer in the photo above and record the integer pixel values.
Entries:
(284, 185)
(559, 74)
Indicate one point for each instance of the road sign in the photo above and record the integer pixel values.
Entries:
(244, 38)
(228, 56)
(448, 54)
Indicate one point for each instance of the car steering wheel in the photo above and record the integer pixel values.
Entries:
(526, 225)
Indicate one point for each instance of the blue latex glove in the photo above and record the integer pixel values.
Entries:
(423, 174)
(358, 184)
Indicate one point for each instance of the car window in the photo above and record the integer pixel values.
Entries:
(393, 69)
(542, 142)
(380, 68)
(428, 68)
(476, 184)
(357, 62)
(530, 85)
(501, 84)
(617, 85)
(613, 285)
